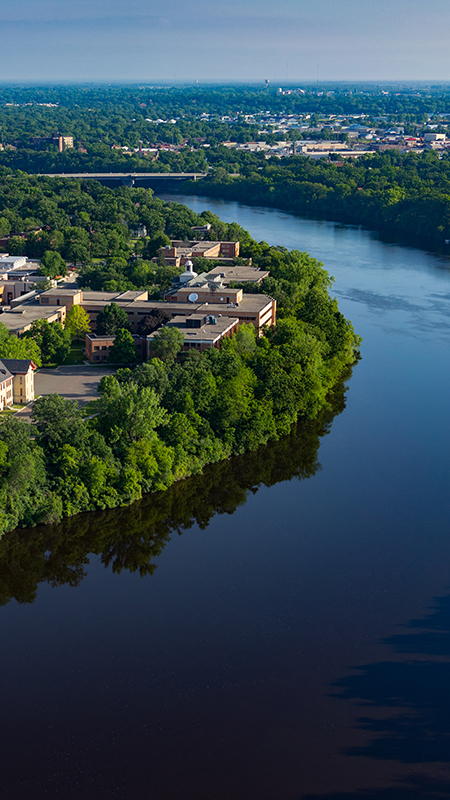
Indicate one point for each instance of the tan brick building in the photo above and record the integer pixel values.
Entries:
(200, 331)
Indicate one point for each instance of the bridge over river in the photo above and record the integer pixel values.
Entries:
(130, 178)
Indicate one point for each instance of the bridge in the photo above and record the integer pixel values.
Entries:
(128, 178)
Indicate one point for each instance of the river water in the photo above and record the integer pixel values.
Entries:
(293, 642)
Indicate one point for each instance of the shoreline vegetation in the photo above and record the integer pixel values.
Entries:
(132, 538)
(166, 419)
(403, 198)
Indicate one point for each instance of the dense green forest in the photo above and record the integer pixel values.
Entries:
(132, 538)
(162, 421)
(403, 196)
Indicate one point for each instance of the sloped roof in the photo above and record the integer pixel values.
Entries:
(5, 374)
(15, 365)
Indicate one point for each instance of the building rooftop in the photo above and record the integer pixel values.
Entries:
(239, 274)
(5, 374)
(19, 318)
(114, 297)
(210, 328)
(18, 365)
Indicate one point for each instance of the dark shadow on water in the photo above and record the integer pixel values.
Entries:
(411, 788)
(132, 538)
(410, 697)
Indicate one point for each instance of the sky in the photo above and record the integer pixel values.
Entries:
(214, 40)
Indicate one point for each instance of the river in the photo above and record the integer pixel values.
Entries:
(293, 642)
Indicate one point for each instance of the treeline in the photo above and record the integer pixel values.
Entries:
(112, 113)
(103, 117)
(134, 537)
(403, 196)
(164, 421)
(84, 221)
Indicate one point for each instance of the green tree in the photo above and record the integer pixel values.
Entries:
(112, 319)
(52, 264)
(123, 350)
(52, 339)
(13, 347)
(77, 322)
(76, 244)
(17, 245)
(167, 344)
(128, 412)
(59, 422)
(158, 240)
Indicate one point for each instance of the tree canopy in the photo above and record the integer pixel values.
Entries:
(111, 320)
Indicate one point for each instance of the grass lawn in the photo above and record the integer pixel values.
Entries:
(10, 410)
(76, 354)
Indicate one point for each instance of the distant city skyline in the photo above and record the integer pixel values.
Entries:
(291, 40)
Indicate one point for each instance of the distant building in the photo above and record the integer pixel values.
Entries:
(201, 228)
(178, 252)
(63, 142)
(435, 137)
(140, 232)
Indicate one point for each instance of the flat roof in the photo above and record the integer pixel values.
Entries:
(114, 297)
(21, 316)
(58, 292)
(240, 274)
(208, 333)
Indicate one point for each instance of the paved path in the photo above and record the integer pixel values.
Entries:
(75, 382)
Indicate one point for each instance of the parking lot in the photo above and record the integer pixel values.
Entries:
(75, 383)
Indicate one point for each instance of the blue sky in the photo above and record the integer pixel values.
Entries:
(172, 40)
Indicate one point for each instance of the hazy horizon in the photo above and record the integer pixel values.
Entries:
(165, 42)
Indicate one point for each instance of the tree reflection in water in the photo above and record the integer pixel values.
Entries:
(411, 724)
(133, 537)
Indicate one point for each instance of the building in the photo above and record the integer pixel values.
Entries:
(6, 387)
(8, 263)
(239, 274)
(61, 297)
(22, 371)
(203, 288)
(200, 331)
(140, 232)
(435, 137)
(178, 252)
(11, 290)
(98, 347)
(21, 317)
(216, 280)
(259, 309)
(63, 142)
(201, 228)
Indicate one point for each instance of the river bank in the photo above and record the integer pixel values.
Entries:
(287, 646)
(395, 224)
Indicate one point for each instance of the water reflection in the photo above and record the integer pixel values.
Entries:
(409, 722)
(132, 538)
